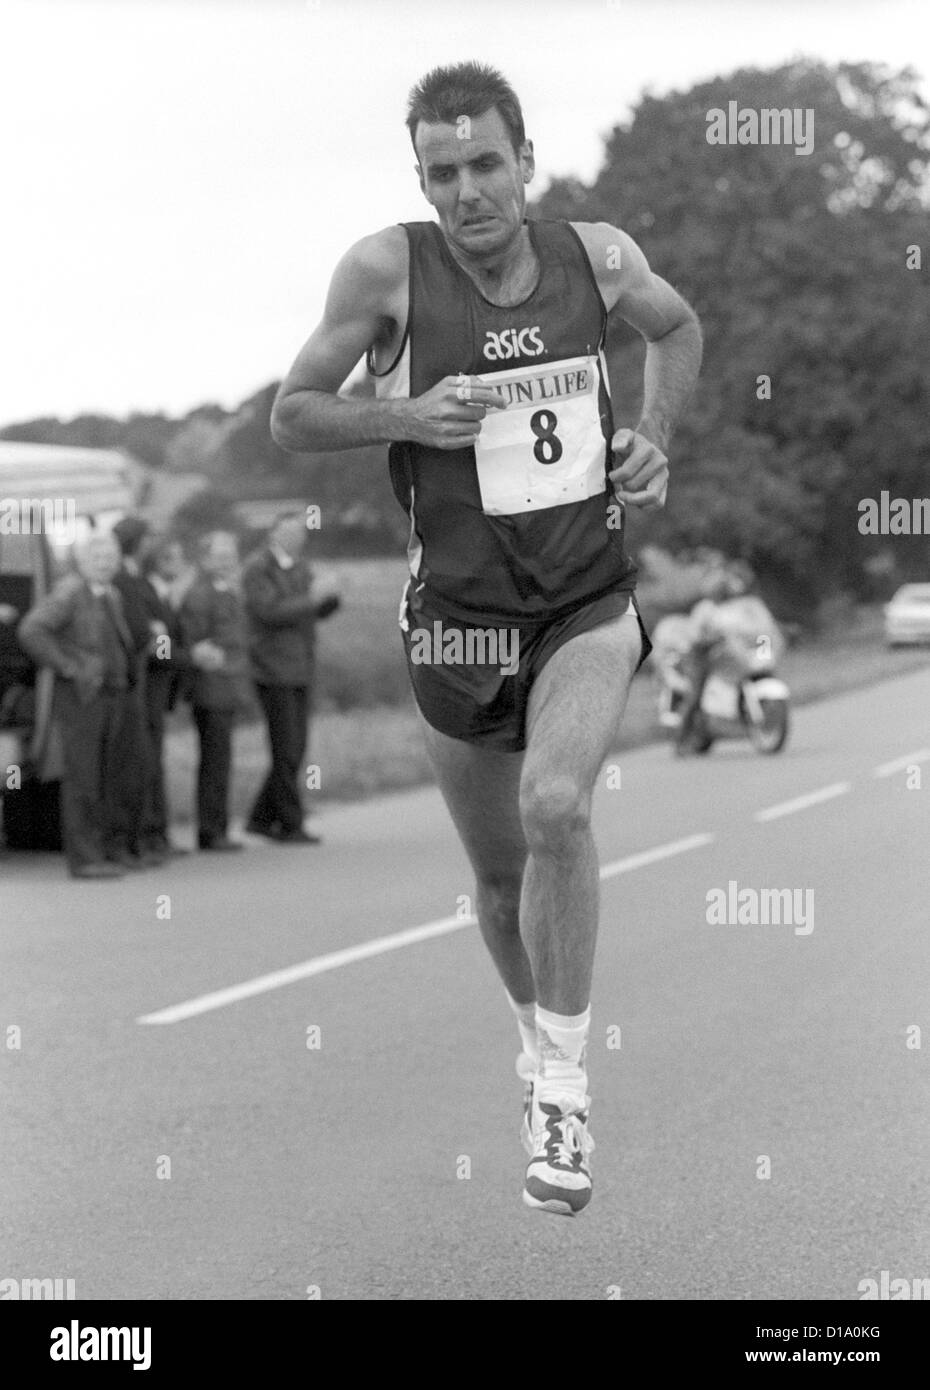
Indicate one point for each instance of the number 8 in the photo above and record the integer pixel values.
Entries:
(543, 425)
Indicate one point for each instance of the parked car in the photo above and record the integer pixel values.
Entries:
(907, 616)
(95, 487)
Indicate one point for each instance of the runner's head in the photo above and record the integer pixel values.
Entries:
(473, 158)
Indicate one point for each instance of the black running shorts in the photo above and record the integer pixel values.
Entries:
(465, 694)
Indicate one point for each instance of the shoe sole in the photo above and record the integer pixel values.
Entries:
(556, 1206)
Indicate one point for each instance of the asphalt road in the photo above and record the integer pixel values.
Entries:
(385, 1162)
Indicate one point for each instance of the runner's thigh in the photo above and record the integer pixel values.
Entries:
(577, 701)
(481, 787)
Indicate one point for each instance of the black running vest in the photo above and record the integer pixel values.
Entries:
(524, 527)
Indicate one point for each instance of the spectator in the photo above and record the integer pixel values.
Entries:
(213, 627)
(134, 791)
(79, 629)
(163, 566)
(168, 570)
(283, 611)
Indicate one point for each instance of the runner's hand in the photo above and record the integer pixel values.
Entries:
(449, 414)
(641, 478)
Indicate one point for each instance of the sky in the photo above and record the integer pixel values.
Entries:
(181, 176)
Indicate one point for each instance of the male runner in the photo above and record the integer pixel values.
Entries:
(485, 335)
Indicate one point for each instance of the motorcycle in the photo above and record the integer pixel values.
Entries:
(754, 705)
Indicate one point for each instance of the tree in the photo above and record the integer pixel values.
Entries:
(796, 267)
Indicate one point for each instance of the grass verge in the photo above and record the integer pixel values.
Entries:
(360, 752)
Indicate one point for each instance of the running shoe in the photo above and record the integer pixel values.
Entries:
(558, 1177)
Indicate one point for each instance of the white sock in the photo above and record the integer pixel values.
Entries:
(563, 1039)
(526, 1022)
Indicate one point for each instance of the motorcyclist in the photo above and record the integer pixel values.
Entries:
(732, 634)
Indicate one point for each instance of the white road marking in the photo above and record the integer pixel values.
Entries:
(800, 803)
(651, 856)
(334, 960)
(305, 969)
(899, 764)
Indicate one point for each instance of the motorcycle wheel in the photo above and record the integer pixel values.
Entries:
(694, 740)
(772, 734)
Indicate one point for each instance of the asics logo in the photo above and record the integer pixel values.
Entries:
(513, 342)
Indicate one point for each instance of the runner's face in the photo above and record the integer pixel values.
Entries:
(471, 175)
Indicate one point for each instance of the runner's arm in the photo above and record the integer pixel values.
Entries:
(658, 312)
(309, 412)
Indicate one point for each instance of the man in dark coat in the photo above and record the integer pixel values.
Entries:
(163, 565)
(214, 632)
(139, 764)
(79, 629)
(283, 611)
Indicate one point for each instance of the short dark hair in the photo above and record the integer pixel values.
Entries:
(464, 89)
(129, 534)
(162, 543)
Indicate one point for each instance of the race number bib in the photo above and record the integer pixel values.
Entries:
(546, 448)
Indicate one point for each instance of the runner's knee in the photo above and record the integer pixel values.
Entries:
(555, 811)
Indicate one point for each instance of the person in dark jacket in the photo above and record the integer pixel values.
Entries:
(79, 629)
(162, 565)
(213, 627)
(283, 610)
(139, 765)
